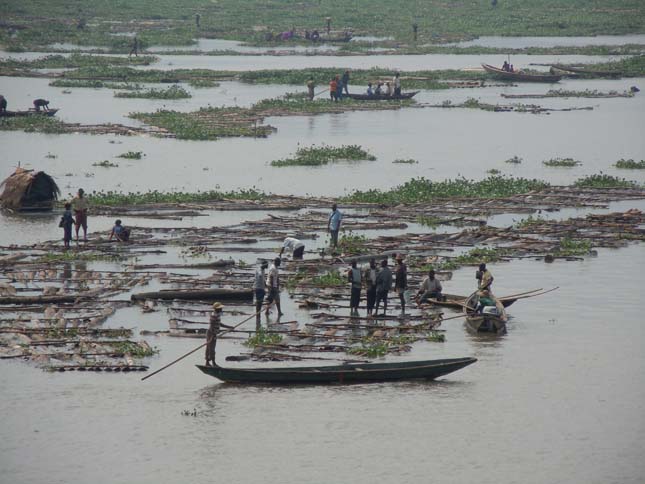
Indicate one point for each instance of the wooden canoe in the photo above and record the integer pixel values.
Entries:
(457, 302)
(347, 373)
(381, 97)
(520, 76)
(31, 112)
(485, 323)
(582, 70)
(197, 294)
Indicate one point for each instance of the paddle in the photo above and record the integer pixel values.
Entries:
(199, 347)
(324, 90)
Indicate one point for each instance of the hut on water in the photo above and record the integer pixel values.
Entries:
(28, 190)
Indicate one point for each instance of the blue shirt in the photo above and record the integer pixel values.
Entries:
(334, 220)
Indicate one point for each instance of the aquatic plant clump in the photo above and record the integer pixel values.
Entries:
(604, 181)
(105, 164)
(33, 124)
(515, 160)
(93, 83)
(131, 155)
(263, 337)
(172, 92)
(630, 164)
(407, 161)
(423, 190)
(564, 162)
(322, 155)
(111, 198)
(350, 243)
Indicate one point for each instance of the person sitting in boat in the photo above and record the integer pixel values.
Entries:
(119, 232)
(370, 91)
(211, 334)
(41, 103)
(379, 89)
(484, 278)
(3, 104)
(430, 288)
(484, 299)
(510, 68)
(505, 66)
(293, 244)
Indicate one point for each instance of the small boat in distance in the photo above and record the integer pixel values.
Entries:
(381, 97)
(581, 70)
(519, 75)
(347, 373)
(491, 319)
(30, 112)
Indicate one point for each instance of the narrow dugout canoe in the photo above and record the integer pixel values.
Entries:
(348, 373)
(31, 112)
(520, 76)
(485, 322)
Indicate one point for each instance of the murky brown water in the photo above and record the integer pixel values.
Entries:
(560, 398)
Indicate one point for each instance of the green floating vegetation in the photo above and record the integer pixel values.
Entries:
(436, 336)
(263, 337)
(630, 164)
(134, 349)
(172, 92)
(322, 155)
(571, 247)
(58, 61)
(530, 221)
(93, 83)
(605, 181)
(111, 198)
(473, 257)
(493, 171)
(565, 162)
(515, 160)
(105, 164)
(329, 279)
(350, 243)
(202, 83)
(423, 190)
(407, 161)
(33, 124)
(429, 221)
(131, 155)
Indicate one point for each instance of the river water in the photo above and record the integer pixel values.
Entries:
(560, 398)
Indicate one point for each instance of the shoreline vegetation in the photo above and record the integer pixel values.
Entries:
(415, 190)
(100, 24)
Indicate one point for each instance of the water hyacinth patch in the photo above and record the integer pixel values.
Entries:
(408, 161)
(105, 164)
(565, 162)
(172, 92)
(111, 198)
(316, 156)
(131, 155)
(424, 190)
(604, 181)
(515, 160)
(630, 164)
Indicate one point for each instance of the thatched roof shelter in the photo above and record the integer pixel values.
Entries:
(29, 190)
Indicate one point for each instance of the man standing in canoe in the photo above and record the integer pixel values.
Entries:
(484, 278)
(310, 88)
(80, 206)
(333, 224)
(273, 283)
(397, 84)
(211, 333)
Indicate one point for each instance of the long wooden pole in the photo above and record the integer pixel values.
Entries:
(199, 347)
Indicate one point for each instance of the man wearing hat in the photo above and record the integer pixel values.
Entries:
(259, 288)
(211, 334)
(484, 278)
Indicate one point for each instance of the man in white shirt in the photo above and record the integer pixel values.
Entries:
(294, 245)
(397, 84)
(259, 289)
(333, 224)
(273, 283)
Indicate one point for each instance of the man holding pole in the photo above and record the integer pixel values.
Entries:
(211, 334)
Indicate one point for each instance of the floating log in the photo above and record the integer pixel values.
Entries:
(205, 265)
(202, 294)
(41, 299)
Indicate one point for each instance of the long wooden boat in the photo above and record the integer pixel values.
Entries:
(455, 301)
(582, 70)
(485, 322)
(347, 373)
(520, 76)
(381, 97)
(30, 112)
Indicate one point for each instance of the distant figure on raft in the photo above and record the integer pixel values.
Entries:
(41, 103)
(294, 245)
(211, 333)
(119, 232)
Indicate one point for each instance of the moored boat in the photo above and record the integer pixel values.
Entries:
(491, 319)
(458, 302)
(30, 112)
(582, 70)
(520, 76)
(381, 97)
(347, 373)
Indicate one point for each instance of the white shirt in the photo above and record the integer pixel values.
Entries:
(273, 279)
(397, 82)
(292, 244)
